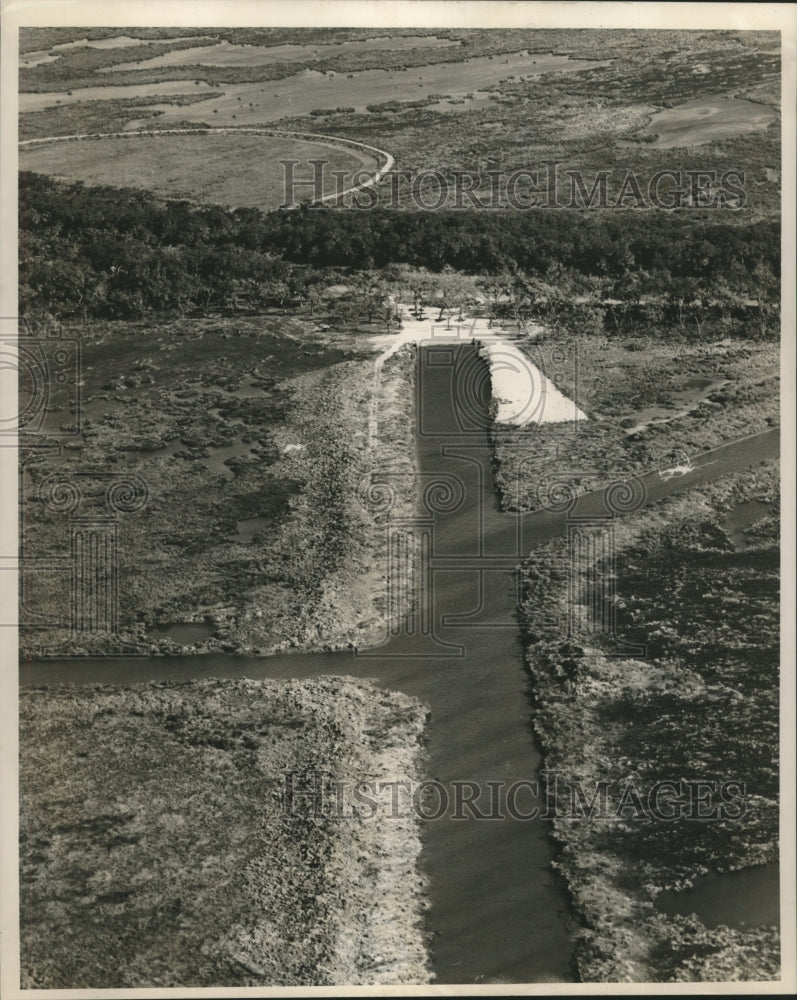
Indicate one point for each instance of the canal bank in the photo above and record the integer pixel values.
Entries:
(496, 911)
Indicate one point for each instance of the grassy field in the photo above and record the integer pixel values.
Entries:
(236, 170)
(699, 703)
(154, 851)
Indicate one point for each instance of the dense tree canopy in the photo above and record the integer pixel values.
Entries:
(123, 253)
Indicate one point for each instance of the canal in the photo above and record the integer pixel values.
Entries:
(497, 911)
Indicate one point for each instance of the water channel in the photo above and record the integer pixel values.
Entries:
(496, 912)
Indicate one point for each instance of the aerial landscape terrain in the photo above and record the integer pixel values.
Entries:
(261, 536)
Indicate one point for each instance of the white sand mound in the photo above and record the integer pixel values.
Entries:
(524, 395)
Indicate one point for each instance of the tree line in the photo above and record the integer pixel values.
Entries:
(94, 252)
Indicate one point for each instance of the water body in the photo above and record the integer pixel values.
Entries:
(230, 54)
(746, 898)
(496, 909)
(249, 527)
(216, 462)
(496, 912)
(32, 59)
(708, 119)
(37, 102)
(270, 100)
(691, 394)
(120, 42)
(739, 520)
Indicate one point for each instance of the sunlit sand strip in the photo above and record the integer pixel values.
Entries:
(523, 394)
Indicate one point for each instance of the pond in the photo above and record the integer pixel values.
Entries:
(749, 897)
(249, 527)
(740, 520)
(707, 119)
(216, 462)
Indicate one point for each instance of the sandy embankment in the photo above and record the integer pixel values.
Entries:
(338, 508)
(521, 392)
(159, 849)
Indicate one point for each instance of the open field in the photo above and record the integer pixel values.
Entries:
(154, 851)
(239, 170)
(699, 703)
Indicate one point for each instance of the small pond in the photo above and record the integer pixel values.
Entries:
(749, 897)
(741, 518)
(250, 526)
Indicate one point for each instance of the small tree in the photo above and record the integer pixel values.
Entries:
(391, 318)
(496, 290)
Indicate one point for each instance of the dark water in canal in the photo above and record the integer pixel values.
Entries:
(496, 911)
